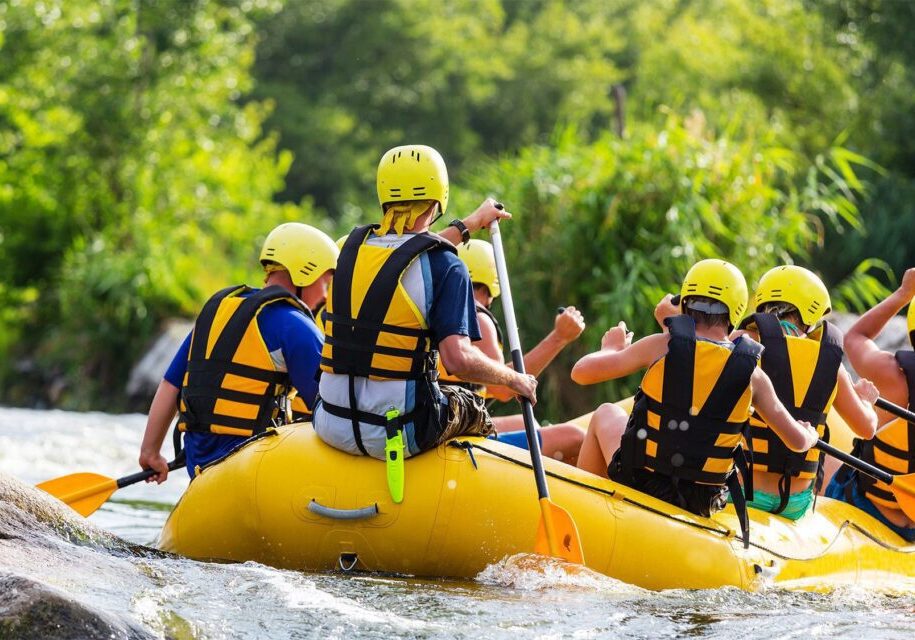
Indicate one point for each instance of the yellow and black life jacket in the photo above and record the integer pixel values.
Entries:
(690, 413)
(693, 404)
(893, 448)
(373, 328)
(446, 378)
(805, 374)
(232, 386)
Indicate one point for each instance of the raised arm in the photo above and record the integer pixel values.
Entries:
(476, 221)
(618, 357)
(864, 354)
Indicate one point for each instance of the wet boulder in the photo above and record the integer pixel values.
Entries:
(29, 609)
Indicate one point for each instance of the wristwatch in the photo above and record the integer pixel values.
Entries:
(460, 226)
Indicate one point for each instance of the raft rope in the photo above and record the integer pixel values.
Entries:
(726, 533)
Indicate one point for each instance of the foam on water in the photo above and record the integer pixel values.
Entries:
(533, 572)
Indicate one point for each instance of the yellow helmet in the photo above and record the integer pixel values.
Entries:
(720, 281)
(410, 173)
(305, 252)
(910, 316)
(481, 263)
(341, 241)
(796, 286)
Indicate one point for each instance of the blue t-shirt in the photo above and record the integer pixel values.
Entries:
(452, 311)
(283, 328)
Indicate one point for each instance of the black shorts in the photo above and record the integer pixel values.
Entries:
(701, 499)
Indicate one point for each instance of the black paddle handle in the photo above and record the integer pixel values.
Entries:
(895, 409)
(140, 476)
(530, 429)
(855, 463)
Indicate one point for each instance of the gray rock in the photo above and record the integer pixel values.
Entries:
(147, 373)
(893, 338)
(29, 609)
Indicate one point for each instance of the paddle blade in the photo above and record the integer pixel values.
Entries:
(83, 492)
(903, 489)
(556, 523)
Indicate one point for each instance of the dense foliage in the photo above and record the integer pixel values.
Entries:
(146, 148)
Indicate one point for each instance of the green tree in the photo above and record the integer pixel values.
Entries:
(351, 78)
(611, 226)
(135, 180)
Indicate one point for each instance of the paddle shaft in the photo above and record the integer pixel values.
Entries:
(856, 463)
(140, 476)
(514, 343)
(895, 409)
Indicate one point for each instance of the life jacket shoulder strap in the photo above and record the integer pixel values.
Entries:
(679, 363)
(231, 336)
(495, 321)
(204, 322)
(826, 370)
(776, 362)
(906, 361)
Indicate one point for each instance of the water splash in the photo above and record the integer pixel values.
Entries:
(534, 572)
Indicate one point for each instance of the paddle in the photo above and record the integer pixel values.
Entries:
(86, 492)
(557, 534)
(895, 409)
(902, 486)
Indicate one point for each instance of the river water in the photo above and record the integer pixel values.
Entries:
(519, 598)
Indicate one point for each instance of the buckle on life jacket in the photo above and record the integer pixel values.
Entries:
(393, 454)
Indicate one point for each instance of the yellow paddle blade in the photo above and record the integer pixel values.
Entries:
(557, 527)
(83, 492)
(903, 488)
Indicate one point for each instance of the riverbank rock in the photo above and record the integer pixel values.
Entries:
(29, 609)
(147, 373)
(893, 338)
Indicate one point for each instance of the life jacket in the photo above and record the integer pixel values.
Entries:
(373, 328)
(693, 405)
(690, 413)
(893, 448)
(446, 378)
(805, 374)
(232, 385)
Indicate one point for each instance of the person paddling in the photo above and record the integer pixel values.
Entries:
(559, 441)
(399, 297)
(682, 440)
(803, 358)
(893, 448)
(232, 376)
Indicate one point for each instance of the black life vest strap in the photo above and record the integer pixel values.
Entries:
(776, 362)
(204, 323)
(679, 364)
(352, 332)
(906, 362)
(826, 370)
(357, 416)
(353, 414)
(740, 507)
(486, 312)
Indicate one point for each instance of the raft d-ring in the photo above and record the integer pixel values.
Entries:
(466, 446)
(347, 561)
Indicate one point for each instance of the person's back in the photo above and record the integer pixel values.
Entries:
(803, 358)
(893, 447)
(400, 294)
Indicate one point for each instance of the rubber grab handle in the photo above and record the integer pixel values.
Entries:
(343, 514)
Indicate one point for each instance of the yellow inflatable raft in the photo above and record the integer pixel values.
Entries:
(290, 501)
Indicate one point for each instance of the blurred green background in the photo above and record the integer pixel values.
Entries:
(147, 147)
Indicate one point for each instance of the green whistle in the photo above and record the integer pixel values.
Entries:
(393, 456)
